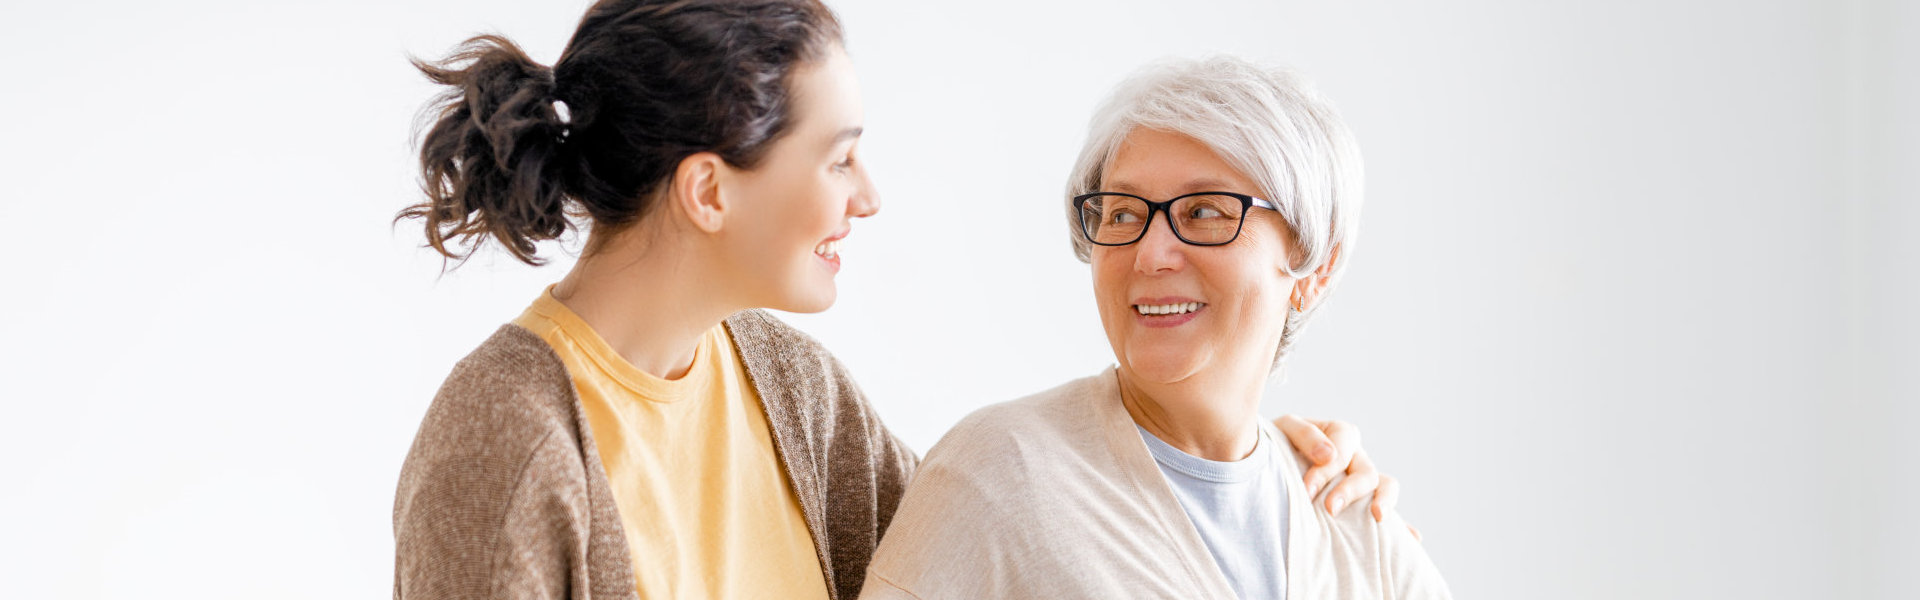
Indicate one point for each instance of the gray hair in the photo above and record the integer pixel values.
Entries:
(1268, 123)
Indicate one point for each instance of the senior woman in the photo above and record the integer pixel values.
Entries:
(1215, 201)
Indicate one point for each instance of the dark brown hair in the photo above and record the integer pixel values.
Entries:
(647, 82)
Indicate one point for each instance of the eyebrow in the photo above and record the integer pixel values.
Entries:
(848, 134)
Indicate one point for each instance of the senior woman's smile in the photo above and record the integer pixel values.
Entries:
(1172, 308)
(1167, 312)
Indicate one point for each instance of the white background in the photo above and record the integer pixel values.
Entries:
(1632, 313)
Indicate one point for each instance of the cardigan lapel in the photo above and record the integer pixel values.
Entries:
(1131, 454)
(786, 417)
(1304, 530)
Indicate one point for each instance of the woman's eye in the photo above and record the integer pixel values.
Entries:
(843, 165)
(1204, 212)
(1124, 217)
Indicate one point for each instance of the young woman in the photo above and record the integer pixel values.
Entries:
(642, 426)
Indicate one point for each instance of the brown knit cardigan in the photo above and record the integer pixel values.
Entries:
(503, 494)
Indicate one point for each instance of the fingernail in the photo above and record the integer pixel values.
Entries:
(1324, 453)
(1313, 489)
(1338, 503)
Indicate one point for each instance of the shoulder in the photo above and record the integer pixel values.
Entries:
(499, 406)
(1363, 554)
(513, 380)
(502, 427)
(1019, 494)
(1069, 402)
(1354, 524)
(1033, 442)
(496, 491)
(513, 360)
(1382, 554)
(1353, 528)
(1059, 414)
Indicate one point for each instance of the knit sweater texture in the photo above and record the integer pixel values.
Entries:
(503, 494)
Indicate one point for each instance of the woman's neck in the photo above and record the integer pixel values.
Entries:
(650, 300)
(1205, 419)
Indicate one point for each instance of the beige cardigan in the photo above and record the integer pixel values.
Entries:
(503, 494)
(1056, 496)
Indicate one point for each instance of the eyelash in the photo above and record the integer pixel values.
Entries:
(844, 165)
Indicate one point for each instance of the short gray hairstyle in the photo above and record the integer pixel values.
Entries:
(1268, 123)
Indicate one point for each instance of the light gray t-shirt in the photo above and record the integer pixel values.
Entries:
(1240, 510)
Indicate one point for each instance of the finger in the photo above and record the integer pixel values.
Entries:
(1346, 442)
(1306, 438)
(1362, 479)
(1385, 498)
(1317, 478)
(1345, 436)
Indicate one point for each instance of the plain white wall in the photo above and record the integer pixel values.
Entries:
(1631, 314)
(1876, 443)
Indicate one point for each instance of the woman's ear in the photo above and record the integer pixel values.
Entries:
(694, 191)
(1309, 290)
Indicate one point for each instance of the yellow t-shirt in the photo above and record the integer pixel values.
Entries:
(703, 498)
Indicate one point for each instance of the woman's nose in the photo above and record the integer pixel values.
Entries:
(866, 198)
(1159, 249)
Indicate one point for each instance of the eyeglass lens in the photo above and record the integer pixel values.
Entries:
(1201, 219)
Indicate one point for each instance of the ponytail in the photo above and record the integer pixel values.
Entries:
(494, 161)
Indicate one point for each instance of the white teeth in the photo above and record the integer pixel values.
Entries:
(1167, 309)
(828, 249)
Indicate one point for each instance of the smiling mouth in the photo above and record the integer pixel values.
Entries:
(828, 249)
(1168, 309)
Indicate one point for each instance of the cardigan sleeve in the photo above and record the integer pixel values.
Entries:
(501, 496)
(893, 463)
(864, 481)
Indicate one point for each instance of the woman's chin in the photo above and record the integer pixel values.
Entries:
(809, 301)
(1162, 365)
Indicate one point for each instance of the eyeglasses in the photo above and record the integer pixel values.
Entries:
(1200, 219)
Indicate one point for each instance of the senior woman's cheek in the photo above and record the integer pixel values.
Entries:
(1250, 329)
(1109, 293)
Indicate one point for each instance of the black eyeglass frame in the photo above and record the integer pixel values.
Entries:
(1246, 203)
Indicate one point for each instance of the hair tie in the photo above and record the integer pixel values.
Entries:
(566, 118)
